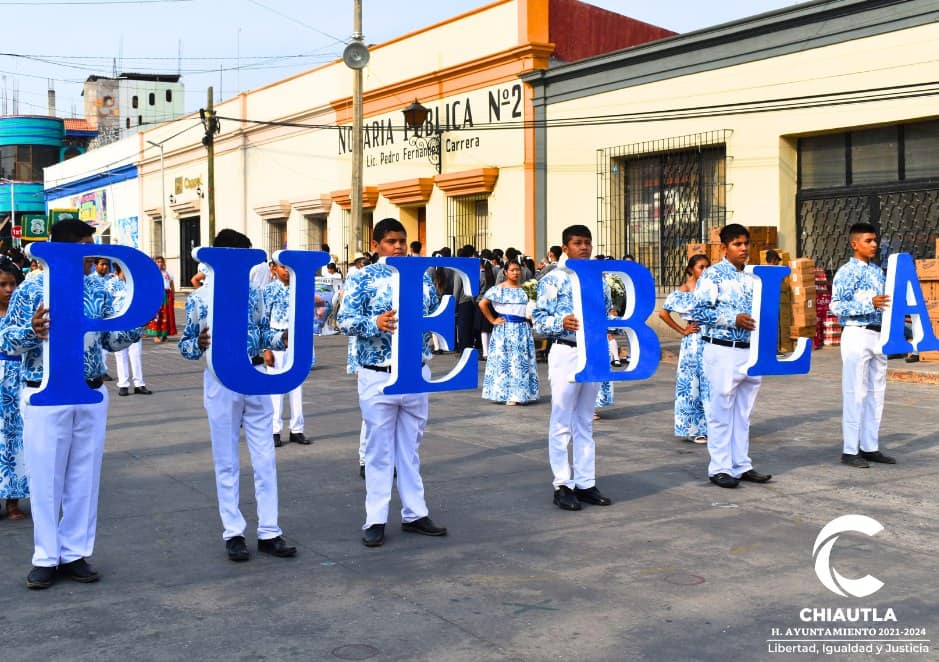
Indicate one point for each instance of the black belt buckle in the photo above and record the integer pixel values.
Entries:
(736, 344)
(873, 327)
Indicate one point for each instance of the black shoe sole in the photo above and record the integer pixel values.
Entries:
(373, 543)
(280, 555)
(239, 559)
(422, 532)
(727, 486)
(36, 586)
(755, 480)
(83, 580)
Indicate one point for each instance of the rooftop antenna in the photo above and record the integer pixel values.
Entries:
(5, 104)
(179, 57)
(114, 67)
(120, 54)
(16, 98)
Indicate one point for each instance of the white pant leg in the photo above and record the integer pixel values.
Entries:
(747, 389)
(409, 430)
(47, 439)
(876, 386)
(82, 481)
(257, 426)
(135, 354)
(362, 445)
(564, 402)
(719, 368)
(277, 400)
(122, 360)
(855, 359)
(583, 447)
(380, 415)
(225, 410)
(104, 358)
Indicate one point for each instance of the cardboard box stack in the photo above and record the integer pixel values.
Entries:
(804, 315)
(762, 238)
(927, 271)
(829, 329)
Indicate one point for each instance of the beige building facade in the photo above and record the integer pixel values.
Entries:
(807, 119)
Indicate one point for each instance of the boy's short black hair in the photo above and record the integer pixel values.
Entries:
(416, 246)
(556, 252)
(228, 238)
(862, 228)
(572, 231)
(386, 225)
(70, 231)
(732, 231)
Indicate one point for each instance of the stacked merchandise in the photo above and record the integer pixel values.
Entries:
(786, 344)
(828, 330)
(762, 238)
(927, 271)
(804, 314)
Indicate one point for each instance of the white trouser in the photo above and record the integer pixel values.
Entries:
(394, 426)
(277, 400)
(732, 394)
(104, 358)
(572, 405)
(863, 382)
(362, 445)
(228, 412)
(133, 356)
(63, 450)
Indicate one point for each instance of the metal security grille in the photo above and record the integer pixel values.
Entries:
(468, 221)
(276, 236)
(314, 232)
(654, 198)
(908, 221)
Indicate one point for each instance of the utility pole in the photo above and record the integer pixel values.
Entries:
(355, 221)
(210, 122)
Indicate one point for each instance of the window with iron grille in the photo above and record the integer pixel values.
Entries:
(887, 176)
(364, 243)
(468, 221)
(156, 237)
(276, 236)
(314, 232)
(657, 197)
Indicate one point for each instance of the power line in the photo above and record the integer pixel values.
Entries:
(92, 2)
(296, 20)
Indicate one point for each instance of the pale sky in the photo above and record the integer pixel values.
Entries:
(255, 42)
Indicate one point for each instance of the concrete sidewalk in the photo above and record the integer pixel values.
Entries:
(676, 569)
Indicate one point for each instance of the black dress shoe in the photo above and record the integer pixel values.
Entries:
(40, 577)
(142, 390)
(425, 526)
(237, 549)
(362, 471)
(374, 536)
(107, 378)
(593, 496)
(755, 476)
(855, 461)
(565, 500)
(277, 547)
(123, 391)
(79, 571)
(277, 442)
(877, 456)
(298, 438)
(724, 480)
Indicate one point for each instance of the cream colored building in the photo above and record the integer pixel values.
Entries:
(807, 119)
(283, 157)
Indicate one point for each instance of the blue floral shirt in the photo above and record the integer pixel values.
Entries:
(16, 329)
(555, 301)
(276, 299)
(723, 293)
(368, 294)
(853, 290)
(260, 334)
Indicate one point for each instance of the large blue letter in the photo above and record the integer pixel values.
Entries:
(764, 340)
(229, 318)
(64, 358)
(593, 350)
(906, 298)
(408, 341)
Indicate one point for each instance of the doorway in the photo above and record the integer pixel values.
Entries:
(189, 238)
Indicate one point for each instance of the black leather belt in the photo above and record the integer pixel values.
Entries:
(873, 327)
(561, 341)
(97, 382)
(383, 368)
(726, 343)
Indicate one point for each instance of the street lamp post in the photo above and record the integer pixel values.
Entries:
(162, 197)
(415, 117)
(356, 56)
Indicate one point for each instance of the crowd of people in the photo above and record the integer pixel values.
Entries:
(53, 453)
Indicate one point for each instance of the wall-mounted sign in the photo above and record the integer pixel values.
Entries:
(181, 184)
(35, 227)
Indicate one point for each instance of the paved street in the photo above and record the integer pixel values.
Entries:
(676, 569)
